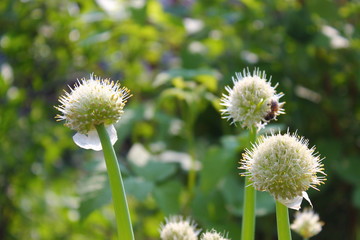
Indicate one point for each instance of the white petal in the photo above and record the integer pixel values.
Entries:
(88, 141)
(306, 196)
(296, 201)
(91, 140)
(292, 203)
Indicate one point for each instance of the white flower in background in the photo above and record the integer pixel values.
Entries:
(178, 228)
(116, 9)
(184, 159)
(284, 166)
(307, 223)
(197, 47)
(336, 40)
(250, 57)
(212, 235)
(193, 25)
(252, 101)
(92, 102)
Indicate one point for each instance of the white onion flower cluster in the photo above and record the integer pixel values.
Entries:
(307, 223)
(212, 235)
(178, 228)
(92, 102)
(252, 102)
(284, 166)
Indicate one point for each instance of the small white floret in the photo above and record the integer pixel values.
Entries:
(178, 228)
(212, 235)
(307, 223)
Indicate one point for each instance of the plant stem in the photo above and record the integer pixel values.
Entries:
(248, 222)
(189, 117)
(192, 170)
(282, 220)
(125, 231)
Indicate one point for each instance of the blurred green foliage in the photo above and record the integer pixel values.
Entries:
(176, 57)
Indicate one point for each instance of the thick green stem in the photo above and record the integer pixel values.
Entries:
(125, 231)
(248, 222)
(282, 220)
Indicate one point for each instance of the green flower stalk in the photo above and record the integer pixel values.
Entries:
(282, 221)
(91, 108)
(178, 228)
(252, 102)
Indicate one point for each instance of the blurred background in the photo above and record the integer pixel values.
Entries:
(176, 57)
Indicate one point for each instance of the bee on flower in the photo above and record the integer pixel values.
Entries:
(89, 103)
(252, 101)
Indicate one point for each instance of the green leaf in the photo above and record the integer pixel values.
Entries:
(167, 197)
(265, 203)
(348, 169)
(138, 187)
(94, 200)
(94, 189)
(217, 163)
(209, 81)
(96, 39)
(209, 207)
(201, 74)
(190, 73)
(235, 143)
(356, 197)
(133, 114)
(155, 171)
(233, 191)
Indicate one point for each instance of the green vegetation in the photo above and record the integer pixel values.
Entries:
(175, 57)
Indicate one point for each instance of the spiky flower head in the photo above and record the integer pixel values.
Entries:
(307, 223)
(92, 102)
(252, 101)
(178, 228)
(212, 235)
(284, 166)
